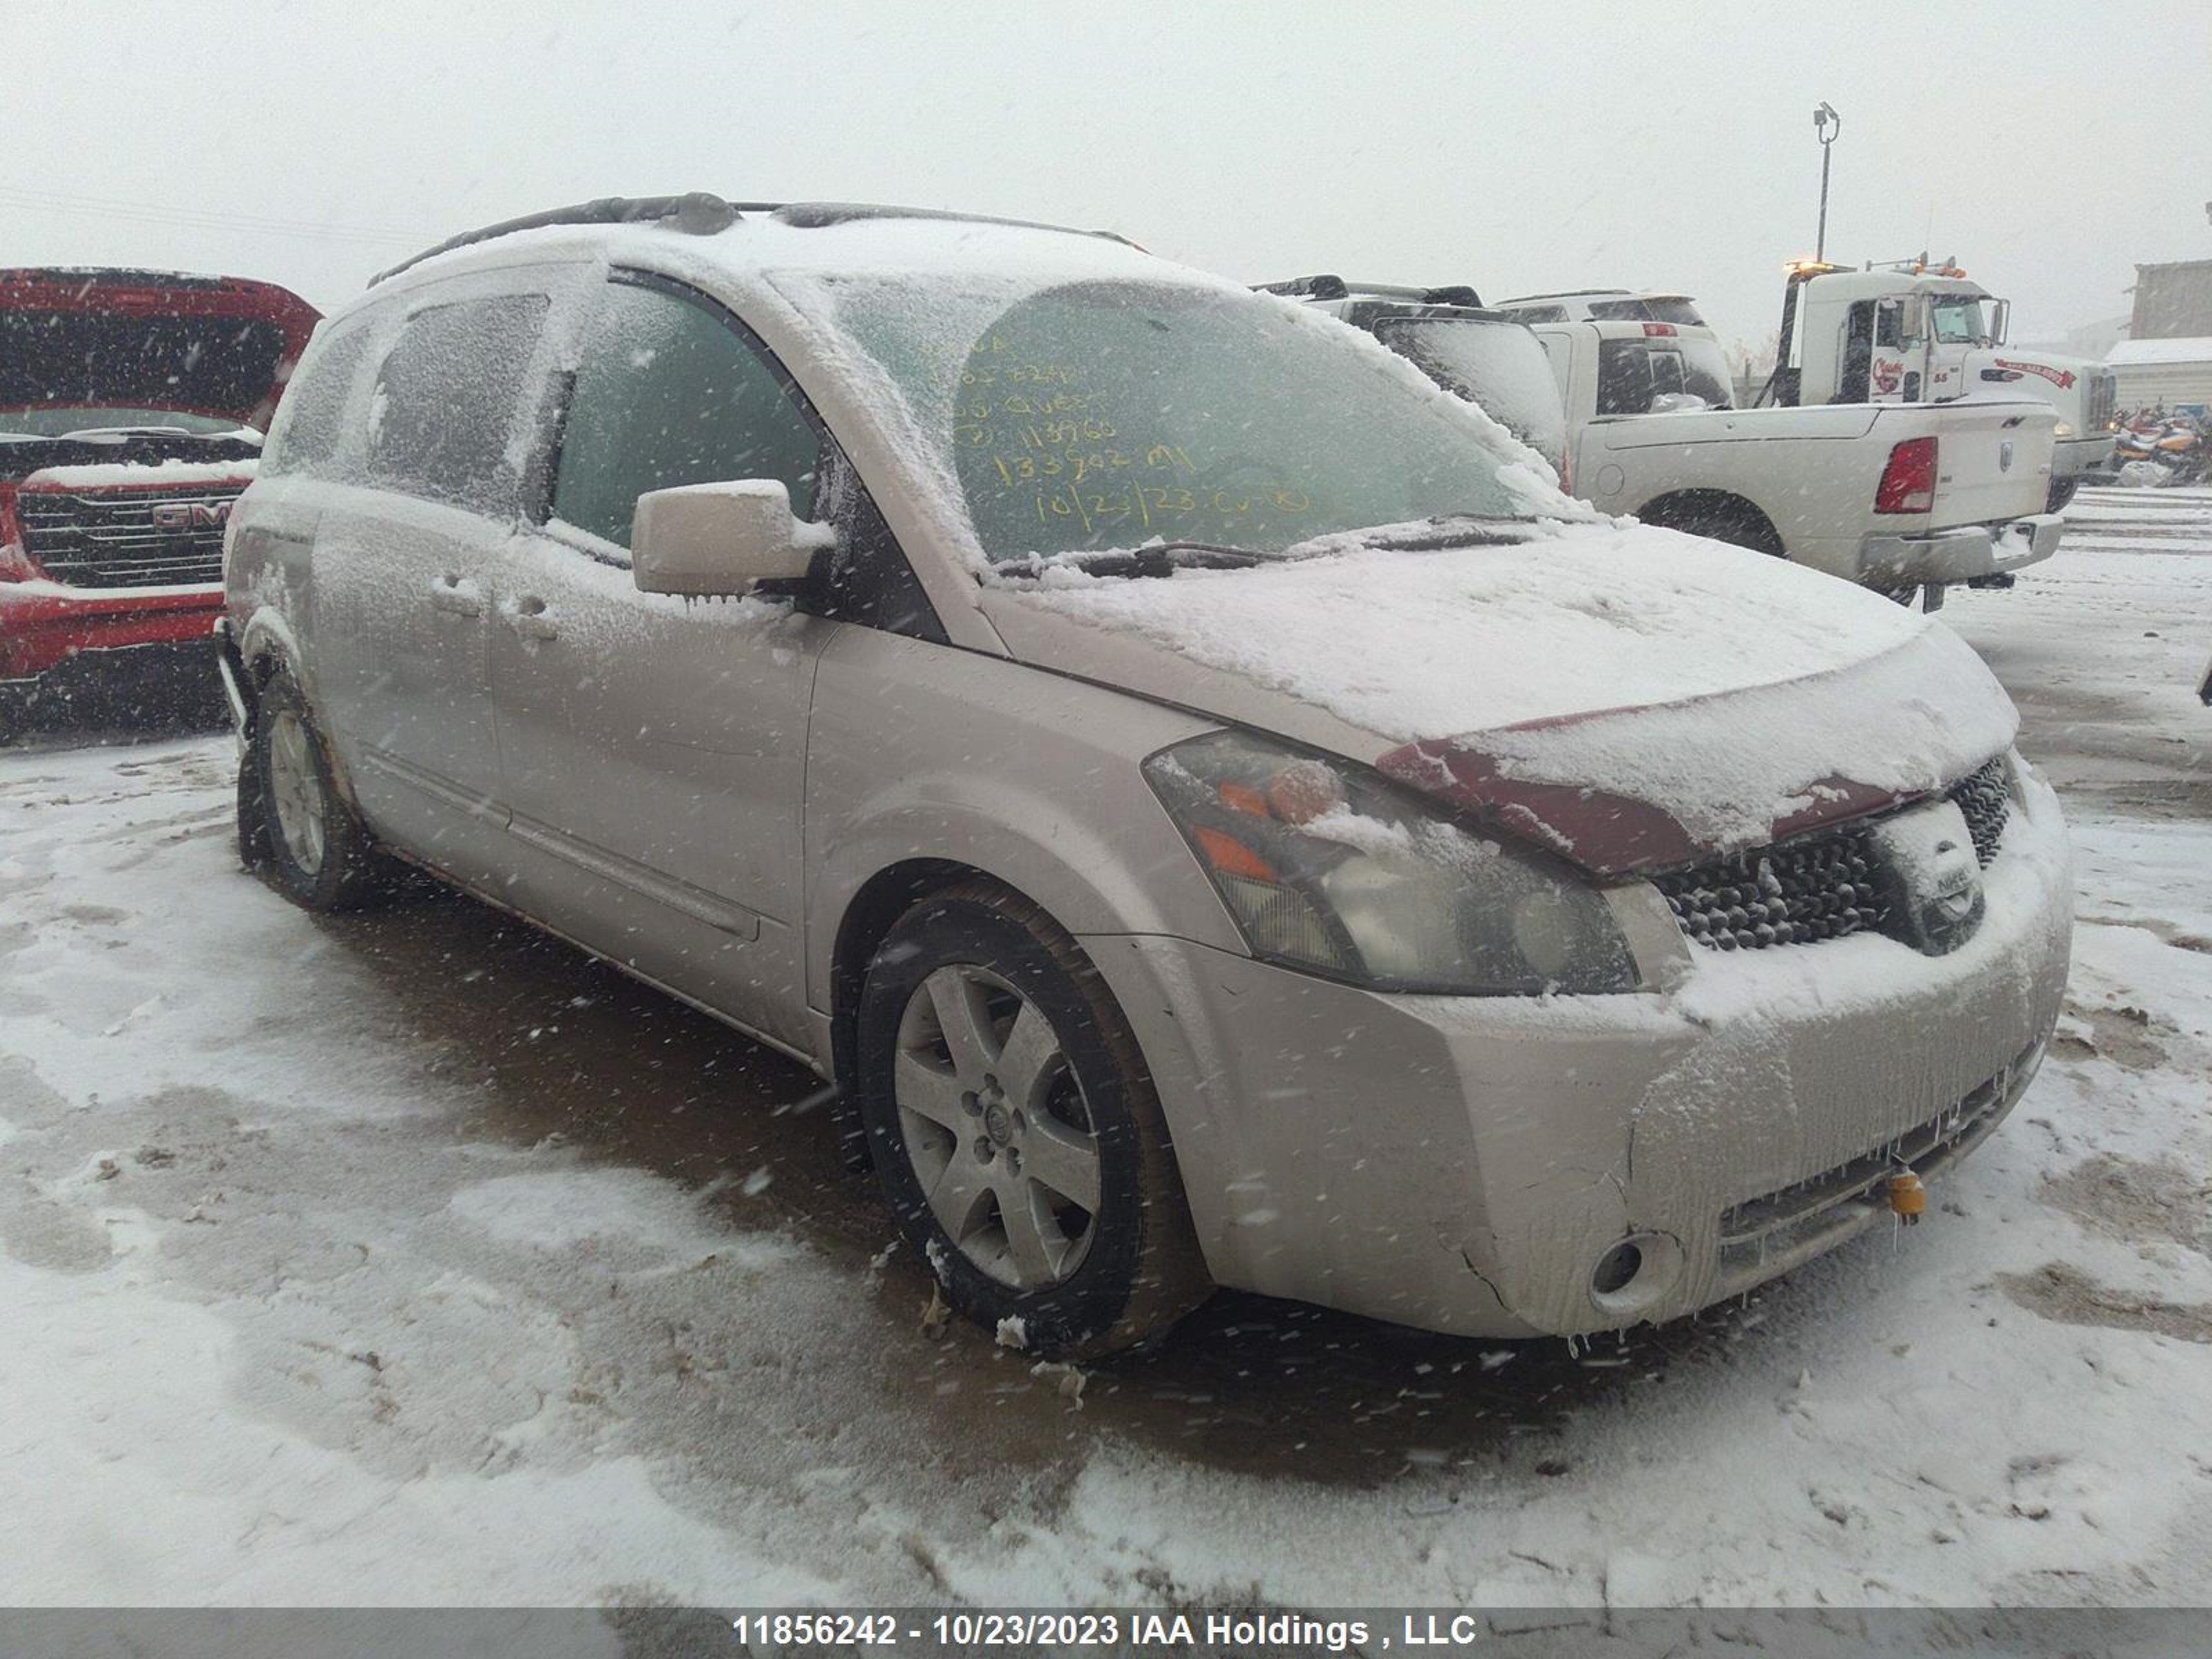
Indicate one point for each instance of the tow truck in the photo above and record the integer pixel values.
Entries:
(1915, 332)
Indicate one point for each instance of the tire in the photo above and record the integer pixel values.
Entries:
(989, 1175)
(253, 854)
(319, 855)
(2062, 491)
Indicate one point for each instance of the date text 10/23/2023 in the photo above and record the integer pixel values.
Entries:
(968, 1631)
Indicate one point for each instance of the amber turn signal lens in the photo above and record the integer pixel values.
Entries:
(1232, 857)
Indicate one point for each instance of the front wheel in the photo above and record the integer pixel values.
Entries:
(2062, 491)
(318, 853)
(1017, 1133)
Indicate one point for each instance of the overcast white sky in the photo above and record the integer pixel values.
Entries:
(1536, 145)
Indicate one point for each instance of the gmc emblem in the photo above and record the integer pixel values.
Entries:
(191, 515)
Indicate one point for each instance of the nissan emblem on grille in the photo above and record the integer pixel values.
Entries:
(1931, 877)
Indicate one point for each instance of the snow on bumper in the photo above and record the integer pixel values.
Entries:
(44, 624)
(1465, 1163)
(1957, 555)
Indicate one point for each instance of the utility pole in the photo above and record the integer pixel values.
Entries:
(1827, 124)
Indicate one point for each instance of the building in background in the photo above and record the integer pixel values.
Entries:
(2170, 373)
(2173, 301)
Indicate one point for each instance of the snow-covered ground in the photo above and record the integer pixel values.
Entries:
(411, 1259)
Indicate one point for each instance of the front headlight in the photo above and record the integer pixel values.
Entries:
(1328, 869)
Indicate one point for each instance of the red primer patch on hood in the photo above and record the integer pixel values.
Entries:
(1603, 833)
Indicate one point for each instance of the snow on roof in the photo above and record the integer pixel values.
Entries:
(2185, 348)
(880, 243)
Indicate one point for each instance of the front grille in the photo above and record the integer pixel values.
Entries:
(2102, 394)
(1817, 886)
(1795, 892)
(1986, 797)
(1761, 1233)
(98, 540)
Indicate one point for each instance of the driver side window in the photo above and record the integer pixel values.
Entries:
(668, 392)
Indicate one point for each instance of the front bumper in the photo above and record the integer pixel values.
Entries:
(1464, 1163)
(1942, 557)
(44, 624)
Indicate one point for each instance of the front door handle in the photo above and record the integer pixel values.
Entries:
(527, 616)
(457, 596)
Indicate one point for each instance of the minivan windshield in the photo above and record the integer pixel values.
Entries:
(1106, 414)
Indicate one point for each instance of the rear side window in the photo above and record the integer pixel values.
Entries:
(1498, 367)
(668, 394)
(312, 424)
(447, 397)
(1631, 373)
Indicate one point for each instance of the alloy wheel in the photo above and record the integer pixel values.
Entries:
(996, 1128)
(295, 788)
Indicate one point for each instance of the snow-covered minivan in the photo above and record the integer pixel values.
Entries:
(1214, 811)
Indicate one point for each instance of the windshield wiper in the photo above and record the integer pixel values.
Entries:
(1155, 559)
(116, 435)
(1441, 531)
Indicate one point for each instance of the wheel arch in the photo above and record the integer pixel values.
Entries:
(867, 920)
(268, 646)
(1699, 511)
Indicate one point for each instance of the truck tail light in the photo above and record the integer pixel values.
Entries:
(15, 564)
(1908, 483)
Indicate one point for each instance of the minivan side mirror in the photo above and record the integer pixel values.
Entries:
(721, 540)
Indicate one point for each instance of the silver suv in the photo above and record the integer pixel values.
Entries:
(1216, 814)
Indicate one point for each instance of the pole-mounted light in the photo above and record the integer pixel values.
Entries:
(1827, 124)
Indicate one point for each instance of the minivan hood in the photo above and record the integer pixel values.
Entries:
(1630, 697)
(218, 346)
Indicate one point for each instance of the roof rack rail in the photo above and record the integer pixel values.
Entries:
(1572, 294)
(695, 213)
(1335, 287)
(1307, 288)
(818, 215)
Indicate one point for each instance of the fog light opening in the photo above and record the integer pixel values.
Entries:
(1615, 1268)
(1634, 1274)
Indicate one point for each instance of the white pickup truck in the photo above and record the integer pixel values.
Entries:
(1896, 496)
(1899, 497)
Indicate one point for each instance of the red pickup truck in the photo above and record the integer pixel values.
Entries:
(132, 408)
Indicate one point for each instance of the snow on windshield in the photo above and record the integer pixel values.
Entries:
(1105, 412)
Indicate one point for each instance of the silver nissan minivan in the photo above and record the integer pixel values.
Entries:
(1213, 811)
